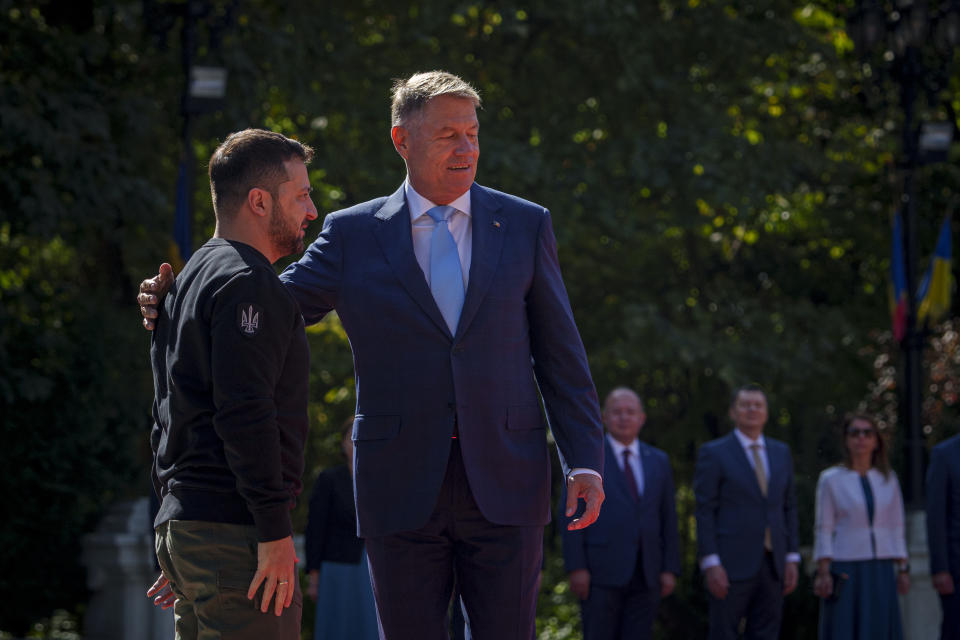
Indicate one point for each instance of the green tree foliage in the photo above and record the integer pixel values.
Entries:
(73, 383)
(720, 175)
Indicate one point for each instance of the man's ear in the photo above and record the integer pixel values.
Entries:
(400, 137)
(260, 201)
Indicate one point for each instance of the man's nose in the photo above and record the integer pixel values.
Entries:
(465, 144)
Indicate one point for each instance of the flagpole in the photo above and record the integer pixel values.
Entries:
(913, 341)
(188, 44)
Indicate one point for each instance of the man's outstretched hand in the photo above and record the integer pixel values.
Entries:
(151, 292)
(590, 488)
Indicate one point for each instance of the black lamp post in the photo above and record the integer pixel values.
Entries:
(204, 85)
(917, 42)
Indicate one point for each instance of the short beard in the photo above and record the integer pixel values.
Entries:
(284, 241)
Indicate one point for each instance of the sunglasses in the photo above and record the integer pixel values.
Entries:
(861, 433)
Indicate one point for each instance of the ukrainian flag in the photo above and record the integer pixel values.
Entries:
(898, 281)
(934, 290)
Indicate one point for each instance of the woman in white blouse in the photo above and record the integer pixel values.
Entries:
(859, 543)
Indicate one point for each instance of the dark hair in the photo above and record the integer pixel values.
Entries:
(346, 431)
(248, 159)
(347, 427)
(750, 386)
(879, 459)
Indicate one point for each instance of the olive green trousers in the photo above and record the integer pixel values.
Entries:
(210, 566)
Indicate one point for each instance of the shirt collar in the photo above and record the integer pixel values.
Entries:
(618, 447)
(746, 442)
(419, 205)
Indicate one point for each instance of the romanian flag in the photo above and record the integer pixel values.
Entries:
(182, 245)
(898, 280)
(934, 290)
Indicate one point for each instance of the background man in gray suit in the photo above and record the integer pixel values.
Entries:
(746, 522)
(943, 531)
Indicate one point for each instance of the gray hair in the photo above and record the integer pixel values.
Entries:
(622, 390)
(410, 95)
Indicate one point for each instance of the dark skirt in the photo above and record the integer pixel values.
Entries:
(867, 607)
(345, 607)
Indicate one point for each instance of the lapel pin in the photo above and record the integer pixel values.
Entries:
(496, 223)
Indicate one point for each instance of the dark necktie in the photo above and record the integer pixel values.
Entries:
(628, 474)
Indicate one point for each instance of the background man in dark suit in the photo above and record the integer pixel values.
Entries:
(746, 522)
(459, 322)
(629, 559)
(943, 531)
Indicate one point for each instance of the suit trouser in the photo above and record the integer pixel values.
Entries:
(759, 600)
(210, 566)
(496, 566)
(621, 613)
(950, 605)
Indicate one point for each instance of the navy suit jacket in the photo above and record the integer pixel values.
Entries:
(414, 379)
(943, 507)
(732, 513)
(626, 527)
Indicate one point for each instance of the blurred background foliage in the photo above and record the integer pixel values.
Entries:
(721, 175)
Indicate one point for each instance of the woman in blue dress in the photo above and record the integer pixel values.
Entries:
(339, 580)
(859, 542)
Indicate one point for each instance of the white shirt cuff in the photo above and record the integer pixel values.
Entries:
(793, 557)
(712, 560)
(579, 470)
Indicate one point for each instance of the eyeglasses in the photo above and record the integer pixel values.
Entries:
(861, 433)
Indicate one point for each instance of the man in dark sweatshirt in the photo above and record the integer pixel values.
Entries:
(230, 368)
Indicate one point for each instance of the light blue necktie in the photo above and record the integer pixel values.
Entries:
(446, 274)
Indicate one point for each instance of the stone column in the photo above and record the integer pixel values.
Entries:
(119, 558)
(920, 607)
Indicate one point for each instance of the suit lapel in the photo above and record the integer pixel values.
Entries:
(396, 241)
(776, 475)
(488, 233)
(646, 468)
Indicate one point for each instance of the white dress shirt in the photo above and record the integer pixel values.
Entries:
(635, 464)
(422, 227)
(461, 228)
(747, 443)
(842, 528)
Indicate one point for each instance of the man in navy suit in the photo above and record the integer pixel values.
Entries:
(746, 523)
(629, 559)
(943, 531)
(452, 298)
